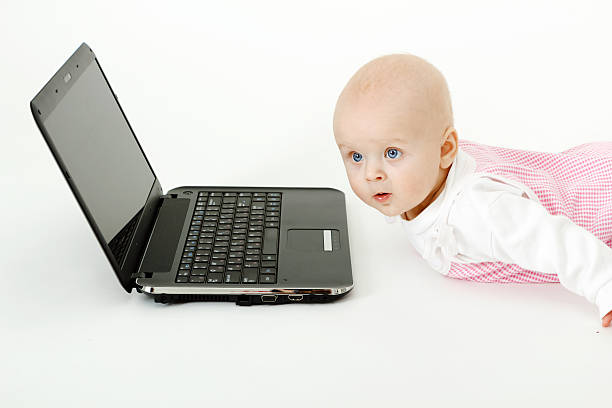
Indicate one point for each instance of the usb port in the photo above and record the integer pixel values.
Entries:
(296, 298)
(268, 298)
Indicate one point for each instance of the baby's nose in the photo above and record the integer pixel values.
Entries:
(374, 170)
(375, 174)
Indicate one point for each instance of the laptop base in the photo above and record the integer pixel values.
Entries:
(246, 300)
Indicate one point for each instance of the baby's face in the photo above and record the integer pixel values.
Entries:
(388, 149)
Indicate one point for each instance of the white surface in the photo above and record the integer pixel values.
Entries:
(253, 84)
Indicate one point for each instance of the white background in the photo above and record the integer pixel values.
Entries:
(242, 93)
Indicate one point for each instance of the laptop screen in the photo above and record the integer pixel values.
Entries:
(100, 152)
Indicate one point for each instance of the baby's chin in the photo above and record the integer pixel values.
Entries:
(389, 211)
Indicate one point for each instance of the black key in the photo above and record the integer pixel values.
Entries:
(249, 275)
(270, 241)
(268, 257)
(267, 278)
(232, 277)
(268, 270)
(217, 269)
(214, 201)
(268, 264)
(200, 265)
(197, 279)
(198, 272)
(182, 279)
(243, 202)
(215, 277)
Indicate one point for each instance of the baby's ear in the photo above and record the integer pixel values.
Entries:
(449, 148)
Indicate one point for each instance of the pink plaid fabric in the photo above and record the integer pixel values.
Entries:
(576, 183)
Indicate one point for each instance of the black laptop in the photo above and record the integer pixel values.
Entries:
(249, 245)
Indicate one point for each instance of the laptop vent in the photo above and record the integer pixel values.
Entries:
(121, 242)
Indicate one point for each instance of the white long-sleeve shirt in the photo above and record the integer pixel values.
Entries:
(478, 218)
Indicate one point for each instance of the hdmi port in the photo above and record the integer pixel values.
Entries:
(268, 298)
(296, 298)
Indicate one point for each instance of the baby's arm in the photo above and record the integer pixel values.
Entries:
(525, 233)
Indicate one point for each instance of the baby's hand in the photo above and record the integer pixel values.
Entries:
(605, 322)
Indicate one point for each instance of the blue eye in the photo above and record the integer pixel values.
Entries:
(393, 156)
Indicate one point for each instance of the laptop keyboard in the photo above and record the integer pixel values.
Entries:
(233, 239)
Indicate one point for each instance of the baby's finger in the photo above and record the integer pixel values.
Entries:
(605, 322)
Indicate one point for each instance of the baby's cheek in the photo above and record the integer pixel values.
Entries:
(355, 186)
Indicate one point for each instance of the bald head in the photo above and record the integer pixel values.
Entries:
(394, 129)
(411, 86)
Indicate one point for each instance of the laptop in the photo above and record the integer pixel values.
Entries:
(249, 245)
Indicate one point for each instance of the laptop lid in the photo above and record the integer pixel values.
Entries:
(94, 145)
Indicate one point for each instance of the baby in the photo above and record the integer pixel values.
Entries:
(475, 212)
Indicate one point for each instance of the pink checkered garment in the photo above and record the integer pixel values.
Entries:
(576, 183)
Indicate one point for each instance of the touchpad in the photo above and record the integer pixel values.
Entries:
(313, 240)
